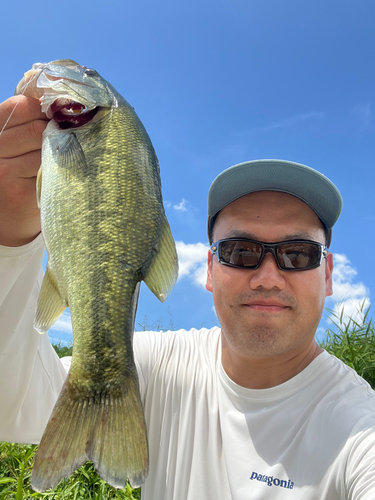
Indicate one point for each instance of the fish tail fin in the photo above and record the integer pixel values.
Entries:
(110, 431)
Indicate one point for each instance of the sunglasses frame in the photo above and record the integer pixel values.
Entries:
(268, 247)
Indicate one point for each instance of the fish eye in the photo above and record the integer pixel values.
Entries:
(90, 72)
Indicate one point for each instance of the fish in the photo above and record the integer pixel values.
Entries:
(105, 231)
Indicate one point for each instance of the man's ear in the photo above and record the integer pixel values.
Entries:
(209, 271)
(328, 274)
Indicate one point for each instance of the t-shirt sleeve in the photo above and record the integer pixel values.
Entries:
(66, 362)
(360, 468)
(31, 374)
(147, 347)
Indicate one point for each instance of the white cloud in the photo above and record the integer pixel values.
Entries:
(193, 261)
(352, 308)
(293, 120)
(181, 206)
(364, 114)
(364, 109)
(63, 325)
(348, 297)
(320, 332)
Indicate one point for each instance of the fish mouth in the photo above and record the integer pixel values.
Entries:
(53, 91)
(71, 114)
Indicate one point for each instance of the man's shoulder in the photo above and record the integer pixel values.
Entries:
(353, 395)
(179, 339)
(347, 375)
(198, 346)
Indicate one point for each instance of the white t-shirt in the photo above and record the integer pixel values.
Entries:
(312, 437)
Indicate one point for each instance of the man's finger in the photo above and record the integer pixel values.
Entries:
(22, 139)
(28, 109)
(22, 167)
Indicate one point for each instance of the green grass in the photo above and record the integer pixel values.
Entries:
(63, 350)
(16, 463)
(353, 342)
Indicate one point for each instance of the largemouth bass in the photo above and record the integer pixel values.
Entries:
(105, 231)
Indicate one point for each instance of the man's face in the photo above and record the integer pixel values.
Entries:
(265, 312)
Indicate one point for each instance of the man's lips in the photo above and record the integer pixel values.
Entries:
(266, 306)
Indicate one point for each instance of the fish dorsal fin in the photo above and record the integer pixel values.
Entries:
(163, 272)
(50, 305)
(39, 186)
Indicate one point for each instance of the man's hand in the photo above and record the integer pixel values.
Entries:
(20, 158)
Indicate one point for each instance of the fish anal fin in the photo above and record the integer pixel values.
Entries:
(50, 304)
(108, 430)
(163, 272)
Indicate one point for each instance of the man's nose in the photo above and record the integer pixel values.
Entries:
(268, 275)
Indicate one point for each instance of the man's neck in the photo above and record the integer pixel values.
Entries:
(263, 373)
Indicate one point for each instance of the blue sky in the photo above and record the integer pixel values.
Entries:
(217, 83)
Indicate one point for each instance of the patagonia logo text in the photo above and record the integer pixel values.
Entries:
(272, 481)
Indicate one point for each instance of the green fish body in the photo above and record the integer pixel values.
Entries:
(105, 231)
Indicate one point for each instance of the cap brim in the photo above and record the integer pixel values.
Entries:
(312, 187)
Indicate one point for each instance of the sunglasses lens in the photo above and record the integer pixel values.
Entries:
(293, 255)
(298, 255)
(240, 253)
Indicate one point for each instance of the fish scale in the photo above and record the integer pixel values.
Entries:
(105, 230)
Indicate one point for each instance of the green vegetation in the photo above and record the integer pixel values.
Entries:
(351, 341)
(155, 326)
(16, 463)
(63, 350)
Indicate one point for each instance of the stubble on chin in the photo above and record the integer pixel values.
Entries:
(260, 334)
(258, 340)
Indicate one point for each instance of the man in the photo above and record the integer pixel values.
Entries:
(254, 410)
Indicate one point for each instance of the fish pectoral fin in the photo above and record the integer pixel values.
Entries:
(108, 429)
(163, 272)
(50, 305)
(39, 186)
(71, 155)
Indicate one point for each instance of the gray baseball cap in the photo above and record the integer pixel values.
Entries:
(312, 187)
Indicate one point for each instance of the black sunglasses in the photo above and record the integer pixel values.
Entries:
(293, 255)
